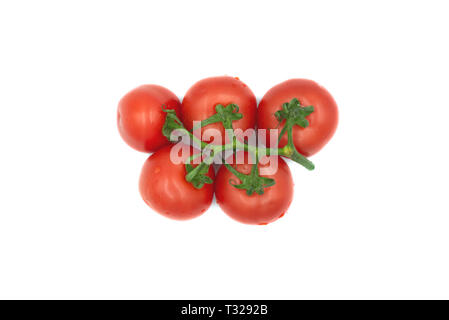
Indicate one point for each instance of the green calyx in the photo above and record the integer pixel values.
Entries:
(252, 183)
(198, 176)
(294, 113)
(171, 123)
(225, 115)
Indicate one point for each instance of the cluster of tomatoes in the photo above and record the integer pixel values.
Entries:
(302, 112)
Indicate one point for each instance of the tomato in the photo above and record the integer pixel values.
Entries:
(200, 100)
(322, 122)
(258, 209)
(164, 188)
(140, 116)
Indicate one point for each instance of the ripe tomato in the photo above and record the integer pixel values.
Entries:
(255, 209)
(164, 188)
(140, 117)
(322, 122)
(200, 100)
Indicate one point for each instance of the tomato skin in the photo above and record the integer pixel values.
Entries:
(140, 117)
(255, 209)
(322, 122)
(163, 187)
(200, 100)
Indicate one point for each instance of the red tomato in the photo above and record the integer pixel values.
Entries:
(140, 117)
(255, 209)
(322, 122)
(164, 188)
(200, 100)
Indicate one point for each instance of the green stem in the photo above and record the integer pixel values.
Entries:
(288, 151)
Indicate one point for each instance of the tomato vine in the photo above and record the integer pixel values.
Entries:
(292, 112)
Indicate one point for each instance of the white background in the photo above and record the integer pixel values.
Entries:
(370, 222)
